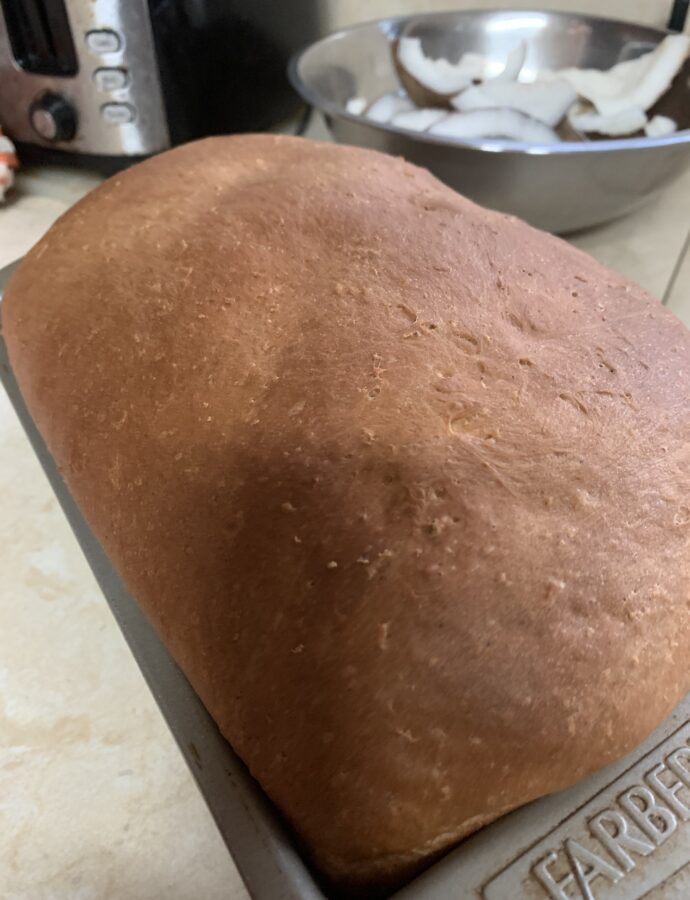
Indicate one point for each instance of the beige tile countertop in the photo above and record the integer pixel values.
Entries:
(95, 800)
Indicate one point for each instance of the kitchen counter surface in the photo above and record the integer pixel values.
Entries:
(95, 800)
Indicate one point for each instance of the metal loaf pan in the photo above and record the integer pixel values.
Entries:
(622, 834)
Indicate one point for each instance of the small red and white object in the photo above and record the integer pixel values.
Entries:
(8, 164)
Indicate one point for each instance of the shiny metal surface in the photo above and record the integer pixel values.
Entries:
(99, 28)
(562, 187)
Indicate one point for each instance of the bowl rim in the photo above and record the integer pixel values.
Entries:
(493, 145)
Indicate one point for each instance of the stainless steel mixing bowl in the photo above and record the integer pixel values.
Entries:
(560, 187)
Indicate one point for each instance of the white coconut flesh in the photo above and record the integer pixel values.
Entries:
(546, 101)
(494, 123)
(446, 78)
(633, 84)
(419, 119)
(440, 75)
(618, 124)
(388, 106)
(356, 105)
(660, 126)
(493, 104)
(514, 63)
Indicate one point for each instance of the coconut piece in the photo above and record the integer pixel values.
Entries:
(674, 103)
(356, 105)
(387, 106)
(546, 101)
(514, 63)
(633, 84)
(566, 132)
(439, 75)
(495, 123)
(660, 126)
(419, 119)
(432, 82)
(619, 124)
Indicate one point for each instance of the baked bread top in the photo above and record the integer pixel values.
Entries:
(403, 484)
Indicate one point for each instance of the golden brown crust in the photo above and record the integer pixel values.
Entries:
(402, 482)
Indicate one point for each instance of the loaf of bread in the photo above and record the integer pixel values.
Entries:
(403, 484)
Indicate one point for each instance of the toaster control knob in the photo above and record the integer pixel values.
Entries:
(53, 117)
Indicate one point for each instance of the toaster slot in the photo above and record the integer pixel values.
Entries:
(40, 36)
